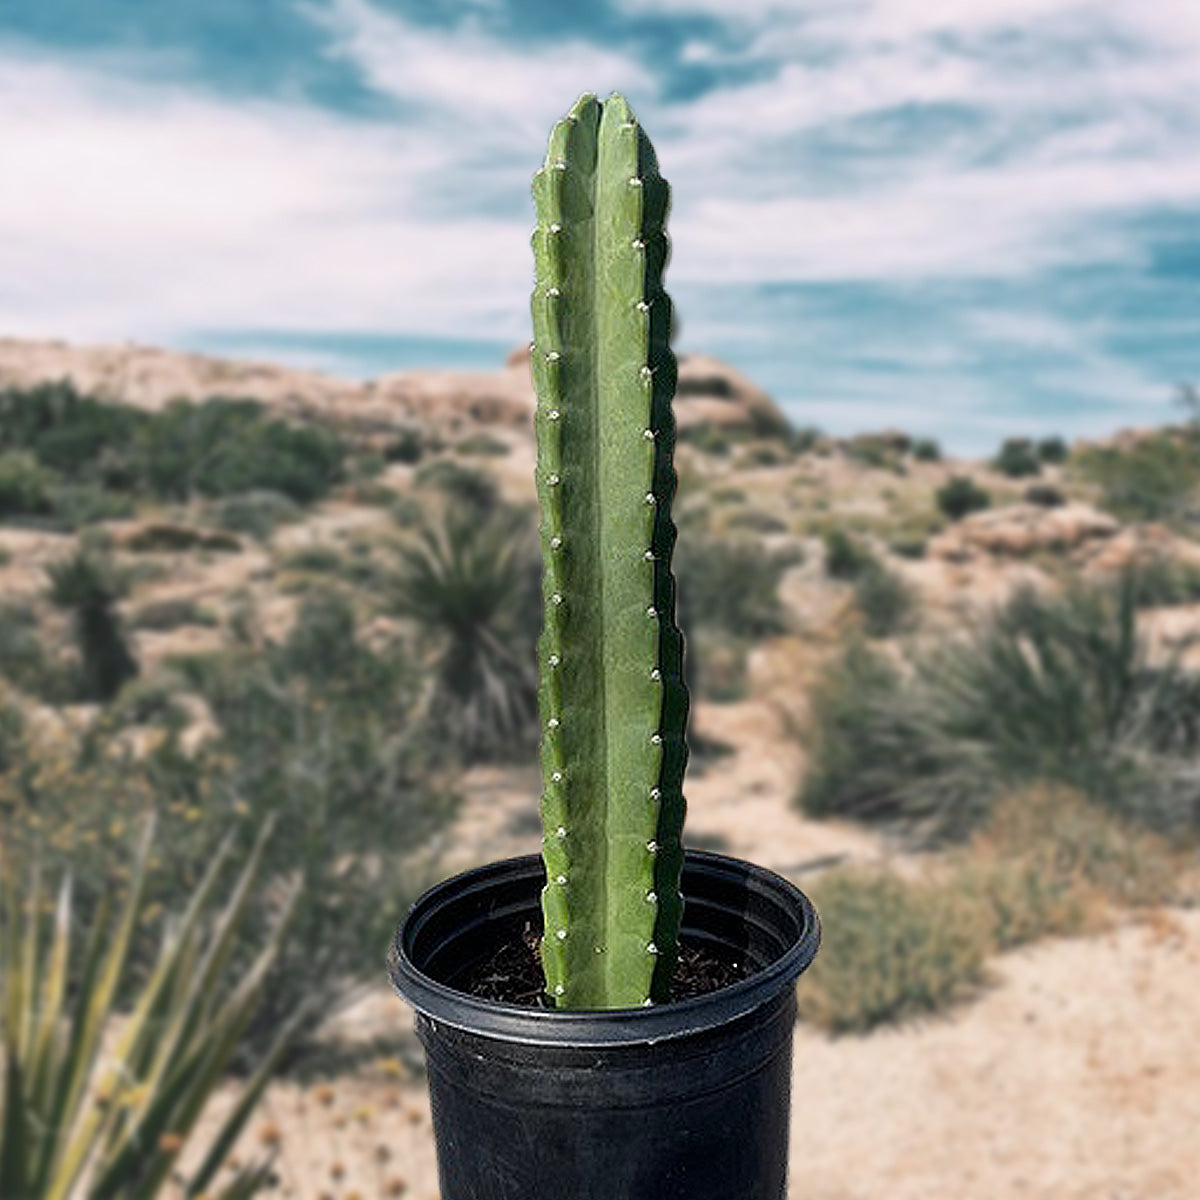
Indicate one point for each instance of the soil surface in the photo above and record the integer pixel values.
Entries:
(1074, 1075)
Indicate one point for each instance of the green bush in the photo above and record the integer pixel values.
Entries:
(846, 557)
(320, 731)
(1017, 458)
(222, 447)
(891, 950)
(926, 450)
(1044, 495)
(1052, 450)
(79, 437)
(256, 513)
(88, 585)
(406, 446)
(885, 601)
(1160, 580)
(1052, 688)
(25, 486)
(960, 495)
(1153, 479)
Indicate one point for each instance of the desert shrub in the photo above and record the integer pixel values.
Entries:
(163, 615)
(1153, 479)
(885, 601)
(165, 537)
(1044, 495)
(891, 950)
(846, 557)
(405, 446)
(88, 585)
(79, 437)
(731, 585)
(1058, 856)
(926, 450)
(313, 557)
(960, 495)
(22, 656)
(1051, 688)
(1161, 579)
(25, 486)
(222, 447)
(1052, 450)
(256, 513)
(754, 520)
(366, 465)
(473, 585)
(909, 544)
(320, 731)
(460, 484)
(1017, 458)
(482, 445)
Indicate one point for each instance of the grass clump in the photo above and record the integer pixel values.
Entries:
(1050, 862)
(846, 557)
(885, 602)
(1047, 862)
(891, 950)
(959, 496)
(1056, 688)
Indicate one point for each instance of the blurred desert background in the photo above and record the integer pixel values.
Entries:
(957, 701)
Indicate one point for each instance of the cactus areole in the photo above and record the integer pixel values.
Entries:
(612, 702)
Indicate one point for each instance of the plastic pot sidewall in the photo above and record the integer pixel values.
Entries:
(680, 1101)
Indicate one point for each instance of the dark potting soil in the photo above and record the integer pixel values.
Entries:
(513, 975)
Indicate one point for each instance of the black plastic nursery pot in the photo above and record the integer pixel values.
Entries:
(687, 1100)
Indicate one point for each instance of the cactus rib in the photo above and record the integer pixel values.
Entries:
(612, 701)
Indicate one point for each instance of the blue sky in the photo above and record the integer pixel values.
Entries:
(971, 220)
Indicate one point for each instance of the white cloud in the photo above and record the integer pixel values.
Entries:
(148, 210)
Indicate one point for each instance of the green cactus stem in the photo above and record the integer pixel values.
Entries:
(613, 705)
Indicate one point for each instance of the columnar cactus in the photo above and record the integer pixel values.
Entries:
(613, 705)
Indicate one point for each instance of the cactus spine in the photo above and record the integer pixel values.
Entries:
(612, 702)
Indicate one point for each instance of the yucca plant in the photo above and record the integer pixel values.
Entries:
(612, 699)
(93, 1111)
(470, 582)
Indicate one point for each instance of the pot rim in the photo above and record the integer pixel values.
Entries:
(442, 1004)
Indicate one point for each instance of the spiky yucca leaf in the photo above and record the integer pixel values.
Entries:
(75, 1125)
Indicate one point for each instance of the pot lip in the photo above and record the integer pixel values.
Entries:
(603, 1027)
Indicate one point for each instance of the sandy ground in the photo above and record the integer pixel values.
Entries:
(1074, 1074)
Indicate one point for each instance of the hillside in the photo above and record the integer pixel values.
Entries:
(270, 542)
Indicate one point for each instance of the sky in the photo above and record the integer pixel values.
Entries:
(969, 219)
